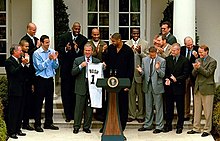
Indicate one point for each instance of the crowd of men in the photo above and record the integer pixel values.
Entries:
(160, 75)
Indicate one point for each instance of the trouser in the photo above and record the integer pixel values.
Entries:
(83, 108)
(170, 99)
(189, 85)
(15, 114)
(153, 99)
(29, 103)
(68, 96)
(205, 102)
(134, 110)
(45, 90)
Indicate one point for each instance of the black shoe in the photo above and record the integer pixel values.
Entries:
(13, 136)
(144, 129)
(27, 127)
(130, 119)
(67, 120)
(125, 138)
(192, 132)
(101, 130)
(87, 130)
(166, 129)
(204, 134)
(179, 130)
(187, 119)
(76, 131)
(38, 129)
(19, 133)
(156, 131)
(140, 120)
(52, 127)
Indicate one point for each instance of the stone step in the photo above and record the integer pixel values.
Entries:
(59, 117)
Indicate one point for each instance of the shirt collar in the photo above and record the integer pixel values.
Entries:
(30, 36)
(15, 57)
(73, 37)
(133, 41)
(42, 50)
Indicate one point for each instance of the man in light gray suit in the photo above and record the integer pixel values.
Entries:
(140, 49)
(83, 105)
(153, 71)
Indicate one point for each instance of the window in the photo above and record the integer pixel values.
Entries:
(112, 16)
(98, 16)
(3, 32)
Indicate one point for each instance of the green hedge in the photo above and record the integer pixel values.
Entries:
(216, 113)
(3, 103)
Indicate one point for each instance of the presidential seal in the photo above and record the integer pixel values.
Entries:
(112, 82)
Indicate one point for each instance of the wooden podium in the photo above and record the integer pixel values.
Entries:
(112, 130)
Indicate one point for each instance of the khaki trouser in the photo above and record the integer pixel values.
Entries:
(204, 102)
(136, 111)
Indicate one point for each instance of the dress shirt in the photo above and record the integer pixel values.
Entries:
(135, 43)
(188, 55)
(32, 38)
(43, 65)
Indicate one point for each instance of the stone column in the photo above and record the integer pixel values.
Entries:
(184, 19)
(43, 17)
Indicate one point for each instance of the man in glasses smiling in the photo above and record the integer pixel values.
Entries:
(165, 30)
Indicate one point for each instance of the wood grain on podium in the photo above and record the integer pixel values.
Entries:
(112, 128)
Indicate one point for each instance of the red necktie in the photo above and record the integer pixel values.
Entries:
(87, 59)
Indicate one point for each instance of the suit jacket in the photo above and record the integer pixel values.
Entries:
(80, 75)
(138, 57)
(191, 60)
(156, 76)
(96, 54)
(167, 51)
(205, 82)
(15, 76)
(171, 39)
(66, 58)
(180, 70)
(32, 48)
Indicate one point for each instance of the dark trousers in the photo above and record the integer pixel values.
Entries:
(83, 108)
(29, 103)
(15, 114)
(68, 96)
(44, 89)
(170, 99)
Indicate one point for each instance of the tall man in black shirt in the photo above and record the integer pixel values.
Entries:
(120, 60)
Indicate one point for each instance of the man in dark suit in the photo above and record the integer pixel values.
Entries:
(70, 46)
(15, 72)
(120, 61)
(165, 30)
(204, 70)
(83, 105)
(177, 70)
(191, 53)
(33, 45)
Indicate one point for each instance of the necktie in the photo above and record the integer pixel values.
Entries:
(151, 66)
(188, 55)
(174, 60)
(87, 60)
(33, 41)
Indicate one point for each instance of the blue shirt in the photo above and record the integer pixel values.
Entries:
(43, 65)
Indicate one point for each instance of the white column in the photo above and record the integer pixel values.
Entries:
(43, 17)
(184, 20)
